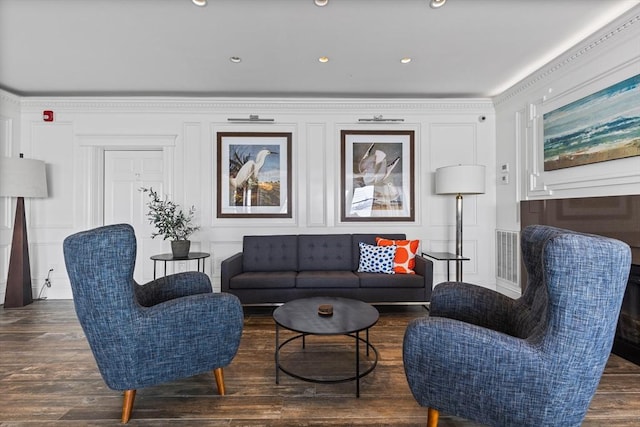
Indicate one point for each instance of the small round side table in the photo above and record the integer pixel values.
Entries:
(198, 256)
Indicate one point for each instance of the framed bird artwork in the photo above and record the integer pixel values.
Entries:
(377, 175)
(254, 174)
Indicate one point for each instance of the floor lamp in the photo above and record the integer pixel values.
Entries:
(20, 178)
(459, 180)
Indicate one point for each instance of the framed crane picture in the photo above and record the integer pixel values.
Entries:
(254, 174)
(376, 180)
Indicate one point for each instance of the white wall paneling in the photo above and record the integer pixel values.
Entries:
(451, 144)
(45, 256)
(53, 144)
(185, 130)
(6, 133)
(461, 142)
(9, 146)
(316, 178)
(5, 150)
(607, 57)
(192, 136)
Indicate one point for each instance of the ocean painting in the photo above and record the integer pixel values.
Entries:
(599, 127)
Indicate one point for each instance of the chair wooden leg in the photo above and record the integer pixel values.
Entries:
(127, 405)
(219, 380)
(432, 417)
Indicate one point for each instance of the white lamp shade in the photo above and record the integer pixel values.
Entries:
(460, 179)
(21, 177)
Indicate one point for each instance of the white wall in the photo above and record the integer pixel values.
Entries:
(609, 56)
(447, 132)
(9, 146)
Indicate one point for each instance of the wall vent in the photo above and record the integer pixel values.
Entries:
(507, 248)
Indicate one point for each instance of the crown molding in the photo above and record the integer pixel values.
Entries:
(591, 46)
(9, 98)
(233, 105)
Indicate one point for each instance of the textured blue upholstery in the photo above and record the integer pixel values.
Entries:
(533, 361)
(171, 328)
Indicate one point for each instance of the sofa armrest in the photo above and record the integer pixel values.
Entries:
(424, 267)
(230, 267)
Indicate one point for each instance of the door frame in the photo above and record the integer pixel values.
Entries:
(95, 147)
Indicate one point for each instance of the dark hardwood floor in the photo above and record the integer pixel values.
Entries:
(48, 377)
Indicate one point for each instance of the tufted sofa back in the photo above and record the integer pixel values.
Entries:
(306, 252)
(270, 253)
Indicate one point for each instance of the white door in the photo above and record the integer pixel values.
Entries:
(125, 172)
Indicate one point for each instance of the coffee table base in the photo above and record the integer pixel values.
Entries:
(358, 373)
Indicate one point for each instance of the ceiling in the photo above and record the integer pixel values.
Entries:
(467, 48)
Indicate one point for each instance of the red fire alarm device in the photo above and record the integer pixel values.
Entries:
(47, 115)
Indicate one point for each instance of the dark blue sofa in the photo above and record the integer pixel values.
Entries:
(275, 269)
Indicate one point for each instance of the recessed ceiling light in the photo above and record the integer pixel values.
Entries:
(437, 3)
(405, 60)
(200, 3)
(323, 59)
(321, 2)
(235, 59)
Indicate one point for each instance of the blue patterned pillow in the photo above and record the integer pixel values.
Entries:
(376, 259)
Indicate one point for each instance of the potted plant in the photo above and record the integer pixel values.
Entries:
(171, 222)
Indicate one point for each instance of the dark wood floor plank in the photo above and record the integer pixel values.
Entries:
(48, 377)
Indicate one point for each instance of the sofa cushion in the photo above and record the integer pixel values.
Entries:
(324, 252)
(327, 279)
(369, 239)
(376, 259)
(377, 280)
(263, 280)
(270, 253)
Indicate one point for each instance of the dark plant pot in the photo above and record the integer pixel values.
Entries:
(180, 248)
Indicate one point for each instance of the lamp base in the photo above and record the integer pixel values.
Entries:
(459, 240)
(18, 292)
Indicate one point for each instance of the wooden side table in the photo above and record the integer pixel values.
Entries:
(198, 256)
(448, 257)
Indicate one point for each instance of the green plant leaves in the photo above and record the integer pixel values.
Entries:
(170, 221)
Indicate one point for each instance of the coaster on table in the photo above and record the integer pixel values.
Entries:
(325, 310)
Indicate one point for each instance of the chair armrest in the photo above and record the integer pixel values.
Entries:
(472, 304)
(469, 360)
(230, 267)
(171, 287)
(201, 327)
(424, 267)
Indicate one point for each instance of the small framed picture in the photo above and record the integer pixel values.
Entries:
(377, 175)
(254, 174)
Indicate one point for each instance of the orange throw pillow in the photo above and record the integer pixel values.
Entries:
(405, 259)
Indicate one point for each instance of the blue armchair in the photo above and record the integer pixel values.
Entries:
(532, 361)
(171, 328)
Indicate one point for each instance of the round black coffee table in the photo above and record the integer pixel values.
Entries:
(350, 317)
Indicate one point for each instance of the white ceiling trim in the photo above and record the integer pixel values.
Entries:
(622, 26)
(231, 105)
